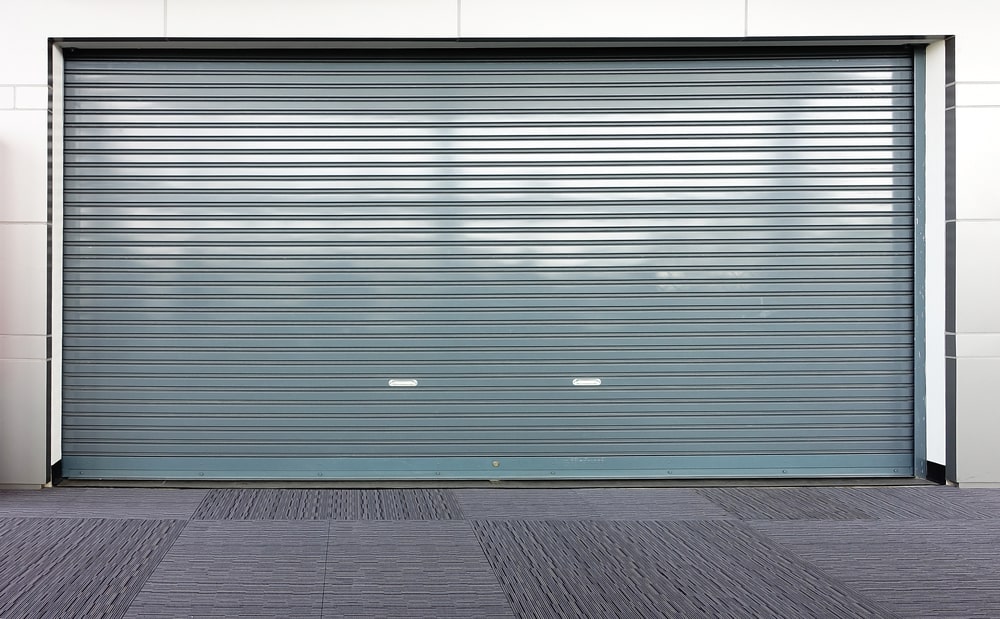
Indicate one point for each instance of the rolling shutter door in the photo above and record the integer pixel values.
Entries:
(421, 265)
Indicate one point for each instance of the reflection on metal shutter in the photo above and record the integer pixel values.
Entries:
(493, 265)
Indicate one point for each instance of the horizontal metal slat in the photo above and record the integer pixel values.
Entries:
(256, 246)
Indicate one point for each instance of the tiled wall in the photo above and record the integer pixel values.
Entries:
(26, 27)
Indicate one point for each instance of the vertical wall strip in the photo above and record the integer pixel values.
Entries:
(56, 183)
(951, 362)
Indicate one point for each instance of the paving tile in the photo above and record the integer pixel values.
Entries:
(917, 568)
(651, 504)
(265, 504)
(239, 568)
(588, 504)
(524, 504)
(116, 503)
(326, 504)
(65, 567)
(919, 503)
(226, 605)
(657, 569)
(984, 499)
(919, 551)
(412, 504)
(784, 503)
(860, 503)
(409, 569)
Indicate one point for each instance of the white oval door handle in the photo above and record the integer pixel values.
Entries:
(403, 382)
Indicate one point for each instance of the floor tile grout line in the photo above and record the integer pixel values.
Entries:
(201, 504)
(141, 586)
(461, 509)
(326, 565)
(496, 576)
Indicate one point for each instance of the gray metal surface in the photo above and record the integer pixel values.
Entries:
(376, 266)
(906, 552)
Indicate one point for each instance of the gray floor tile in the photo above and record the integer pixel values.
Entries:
(62, 567)
(227, 605)
(117, 503)
(657, 569)
(410, 504)
(986, 500)
(651, 504)
(785, 503)
(410, 569)
(797, 552)
(541, 503)
(588, 504)
(266, 504)
(917, 568)
(860, 503)
(324, 504)
(918, 503)
(239, 568)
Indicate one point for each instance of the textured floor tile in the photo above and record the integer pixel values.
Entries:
(588, 504)
(116, 503)
(861, 503)
(265, 504)
(324, 504)
(918, 503)
(523, 504)
(225, 605)
(657, 569)
(62, 567)
(410, 569)
(916, 568)
(651, 504)
(785, 503)
(239, 569)
(986, 500)
(414, 504)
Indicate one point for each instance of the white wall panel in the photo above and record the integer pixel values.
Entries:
(31, 97)
(6, 97)
(599, 18)
(975, 43)
(977, 344)
(22, 347)
(978, 94)
(312, 18)
(978, 192)
(23, 166)
(23, 278)
(978, 422)
(22, 415)
(977, 294)
(795, 18)
(27, 25)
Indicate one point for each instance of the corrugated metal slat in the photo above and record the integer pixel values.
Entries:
(255, 246)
